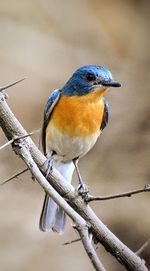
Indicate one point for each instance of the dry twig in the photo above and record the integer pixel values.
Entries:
(121, 195)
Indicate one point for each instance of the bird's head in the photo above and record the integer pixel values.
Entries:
(87, 79)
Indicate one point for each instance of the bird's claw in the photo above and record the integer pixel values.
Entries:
(83, 190)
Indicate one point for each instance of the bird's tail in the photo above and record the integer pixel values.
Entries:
(52, 216)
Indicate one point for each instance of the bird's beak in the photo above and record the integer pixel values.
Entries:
(111, 84)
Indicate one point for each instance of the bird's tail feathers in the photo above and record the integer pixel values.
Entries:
(52, 216)
(65, 169)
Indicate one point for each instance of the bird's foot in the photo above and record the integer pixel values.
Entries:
(49, 164)
(83, 189)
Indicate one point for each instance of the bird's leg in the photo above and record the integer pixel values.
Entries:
(49, 163)
(82, 188)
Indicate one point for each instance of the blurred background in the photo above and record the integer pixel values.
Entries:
(45, 41)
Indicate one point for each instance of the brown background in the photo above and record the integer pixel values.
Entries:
(45, 41)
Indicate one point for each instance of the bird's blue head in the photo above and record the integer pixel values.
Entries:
(87, 79)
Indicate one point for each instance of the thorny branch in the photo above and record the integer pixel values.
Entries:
(22, 149)
(75, 207)
(81, 224)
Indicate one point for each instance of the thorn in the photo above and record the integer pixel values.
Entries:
(8, 86)
(143, 247)
(73, 241)
(14, 176)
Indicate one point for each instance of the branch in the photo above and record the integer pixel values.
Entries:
(101, 233)
(81, 224)
(121, 195)
(84, 234)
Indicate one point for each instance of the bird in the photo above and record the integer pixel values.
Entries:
(74, 117)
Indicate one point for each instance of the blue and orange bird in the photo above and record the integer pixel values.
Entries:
(74, 118)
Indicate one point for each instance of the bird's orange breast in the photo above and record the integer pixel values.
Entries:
(78, 115)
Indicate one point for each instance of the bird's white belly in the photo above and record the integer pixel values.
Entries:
(66, 147)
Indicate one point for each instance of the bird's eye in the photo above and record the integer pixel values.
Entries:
(90, 77)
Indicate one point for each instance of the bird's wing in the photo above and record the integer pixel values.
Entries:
(53, 99)
(105, 115)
